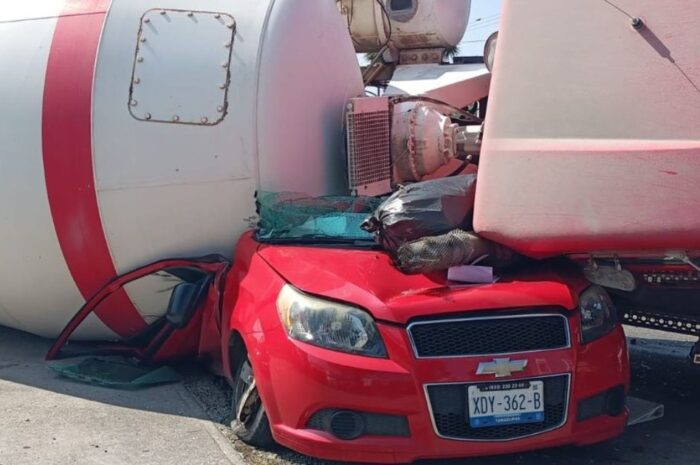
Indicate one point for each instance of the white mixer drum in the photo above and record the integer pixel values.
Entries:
(140, 129)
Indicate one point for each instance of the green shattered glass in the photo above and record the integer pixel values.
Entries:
(298, 216)
(117, 374)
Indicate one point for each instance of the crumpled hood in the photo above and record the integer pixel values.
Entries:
(369, 280)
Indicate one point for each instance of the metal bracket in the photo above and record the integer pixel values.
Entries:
(421, 56)
(614, 277)
(695, 354)
(663, 322)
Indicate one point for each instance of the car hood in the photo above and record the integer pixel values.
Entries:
(368, 279)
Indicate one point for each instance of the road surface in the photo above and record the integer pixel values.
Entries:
(47, 420)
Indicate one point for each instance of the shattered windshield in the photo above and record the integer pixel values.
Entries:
(298, 218)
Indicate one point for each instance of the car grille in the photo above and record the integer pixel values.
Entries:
(489, 336)
(448, 403)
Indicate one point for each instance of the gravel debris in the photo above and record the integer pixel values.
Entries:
(214, 395)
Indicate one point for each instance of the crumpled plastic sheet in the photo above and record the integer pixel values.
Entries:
(427, 208)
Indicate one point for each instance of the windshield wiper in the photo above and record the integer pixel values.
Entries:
(315, 239)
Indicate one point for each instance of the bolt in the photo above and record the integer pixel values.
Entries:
(230, 26)
(424, 56)
(143, 39)
(137, 80)
(147, 20)
(217, 16)
(140, 59)
(162, 12)
(227, 45)
(220, 109)
(176, 118)
(205, 120)
(190, 14)
(147, 116)
(133, 103)
(637, 23)
(222, 86)
(224, 64)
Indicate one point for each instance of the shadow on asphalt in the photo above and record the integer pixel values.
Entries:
(22, 362)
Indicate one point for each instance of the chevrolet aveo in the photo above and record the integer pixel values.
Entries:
(334, 353)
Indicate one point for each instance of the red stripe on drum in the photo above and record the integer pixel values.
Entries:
(68, 161)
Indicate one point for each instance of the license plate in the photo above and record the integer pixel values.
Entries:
(509, 403)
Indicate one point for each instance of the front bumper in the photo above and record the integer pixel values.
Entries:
(297, 380)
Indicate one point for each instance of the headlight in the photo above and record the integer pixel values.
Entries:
(598, 315)
(328, 324)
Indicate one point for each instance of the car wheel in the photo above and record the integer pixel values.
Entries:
(249, 421)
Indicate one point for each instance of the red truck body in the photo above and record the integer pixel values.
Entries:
(592, 139)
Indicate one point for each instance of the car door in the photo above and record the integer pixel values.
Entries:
(173, 297)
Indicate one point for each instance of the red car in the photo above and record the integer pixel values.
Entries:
(334, 353)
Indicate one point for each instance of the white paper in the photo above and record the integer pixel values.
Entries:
(471, 274)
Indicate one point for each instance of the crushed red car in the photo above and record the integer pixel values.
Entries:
(334, 353)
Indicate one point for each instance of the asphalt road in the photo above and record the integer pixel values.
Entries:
(48, 420)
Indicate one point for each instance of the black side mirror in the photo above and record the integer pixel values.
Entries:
(185, 300)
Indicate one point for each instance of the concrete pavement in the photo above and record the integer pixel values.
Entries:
(45, 419)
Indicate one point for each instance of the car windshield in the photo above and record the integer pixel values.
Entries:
(298, 218)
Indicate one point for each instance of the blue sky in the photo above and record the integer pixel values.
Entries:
(483, 20)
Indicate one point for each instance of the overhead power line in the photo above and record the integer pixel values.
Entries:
(484, 18)
(483, 25)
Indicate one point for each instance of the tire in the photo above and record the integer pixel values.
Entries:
(249, 422)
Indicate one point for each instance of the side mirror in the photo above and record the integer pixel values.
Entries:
(185, 300)
(490, 51)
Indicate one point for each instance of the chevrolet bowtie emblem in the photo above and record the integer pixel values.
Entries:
(501, 367)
